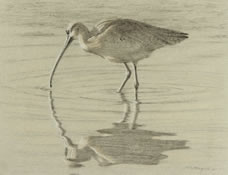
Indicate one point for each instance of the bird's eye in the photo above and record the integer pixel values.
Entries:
(67, 32)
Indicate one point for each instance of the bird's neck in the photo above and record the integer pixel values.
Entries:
(83, 37)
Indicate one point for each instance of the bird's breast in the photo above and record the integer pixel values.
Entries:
(83, 45)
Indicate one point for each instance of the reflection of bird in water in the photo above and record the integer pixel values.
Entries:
(121, 41)
(124, 143)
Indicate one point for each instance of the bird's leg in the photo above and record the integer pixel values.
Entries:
(127, 108)
(127, 77)
(136, 82)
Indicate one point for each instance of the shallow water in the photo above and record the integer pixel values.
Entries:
(182, 93)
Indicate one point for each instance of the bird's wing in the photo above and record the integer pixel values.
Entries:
(151, 37)
(148, 36)
(167, 36)
(101, 26)
(137, 34)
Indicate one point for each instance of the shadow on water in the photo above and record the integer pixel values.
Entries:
(124, 143)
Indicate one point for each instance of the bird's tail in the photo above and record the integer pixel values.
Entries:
(171, 37)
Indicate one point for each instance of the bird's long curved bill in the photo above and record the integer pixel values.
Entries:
(66, 45)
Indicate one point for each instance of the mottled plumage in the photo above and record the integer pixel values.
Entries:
(126, 40)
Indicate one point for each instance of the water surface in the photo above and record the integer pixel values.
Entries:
(182, 92)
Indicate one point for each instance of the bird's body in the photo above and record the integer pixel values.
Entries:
(121, 41)
(126, 40)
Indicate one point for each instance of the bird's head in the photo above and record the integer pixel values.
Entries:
(74, 29)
